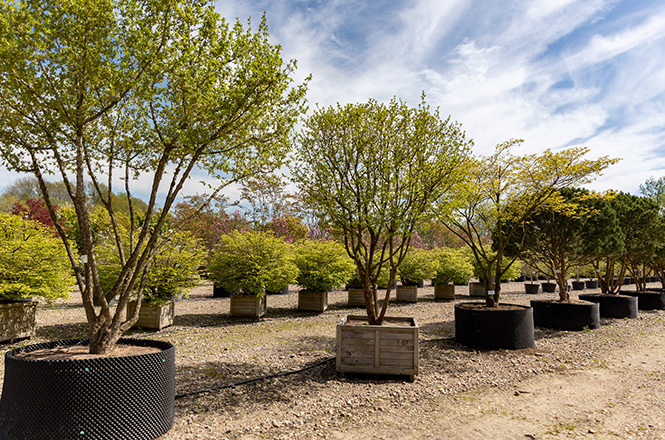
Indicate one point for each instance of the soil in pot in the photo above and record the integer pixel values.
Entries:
(573, 315)
(507, 326)
(614, 306)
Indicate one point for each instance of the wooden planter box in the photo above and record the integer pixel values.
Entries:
(477, 289)
(391, 348)
(444, 291)
(248, 305)
(17, 319)
(313, 301)
(407, 294)
(152, 315)
(356, 297)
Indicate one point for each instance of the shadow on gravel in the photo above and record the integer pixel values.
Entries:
(62, 331)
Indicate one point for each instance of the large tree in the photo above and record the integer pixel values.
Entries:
(550, 240)
(154, 90)
(621, 238)
(503, 191)
(372, 171)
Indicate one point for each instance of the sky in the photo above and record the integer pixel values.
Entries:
(556, 73)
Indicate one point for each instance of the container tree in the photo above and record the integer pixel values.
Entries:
(551, 238)
(504, 189)
(619, 239)
(654, 189)
(372, 171)
(96, 91)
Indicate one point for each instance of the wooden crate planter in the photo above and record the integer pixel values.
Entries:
(391, 348)
(17, 319)
(406, 294)
(312, 301)
(477, 289)
(248, 306)
(152, 315)
(444, 291)
(356, 297)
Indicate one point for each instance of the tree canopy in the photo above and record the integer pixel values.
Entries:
(91, 89)
(501, 193)
(372, 171)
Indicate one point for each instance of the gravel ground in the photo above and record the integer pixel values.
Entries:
(214, 349)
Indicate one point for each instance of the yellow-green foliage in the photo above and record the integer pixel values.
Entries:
(418, 264)
(173, 268)
(454, 266)
(252, 261)
(33, 262)
(323, 264)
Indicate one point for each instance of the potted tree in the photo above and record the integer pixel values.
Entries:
(551, 242)
(322, 264)
(454, 268)
(503, 191)
(372, 171)
(617, 239)
(131, 91)
(33, 263)
(418, 265)
(247, 262)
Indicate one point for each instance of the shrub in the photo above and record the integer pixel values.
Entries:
(322, 264)
(455, 266)
(251, 262)
(418, 264)
(33, 262)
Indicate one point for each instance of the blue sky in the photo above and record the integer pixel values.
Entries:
(555, 73)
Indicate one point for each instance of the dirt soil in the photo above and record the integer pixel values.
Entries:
(607, 383)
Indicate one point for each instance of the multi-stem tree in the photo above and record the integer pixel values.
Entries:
(372, 171)
(149, 90)
(622, 238)
(550, 240)
(503, 191)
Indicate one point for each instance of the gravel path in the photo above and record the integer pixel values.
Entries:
(605, 383)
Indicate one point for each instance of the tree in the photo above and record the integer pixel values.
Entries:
(266, 198)
(35, 210)
(620, 240)
(199, 216)
(502, 192)
(372, 171)
(91, 88)
(550, 240)
(654, 189)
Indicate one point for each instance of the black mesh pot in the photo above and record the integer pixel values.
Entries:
(613, 306)
(566, 316)
(578, 285)
(124, 398)
(532, 289)
(479, 327)
(548, 287)
(591, 284)
(652, 299)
